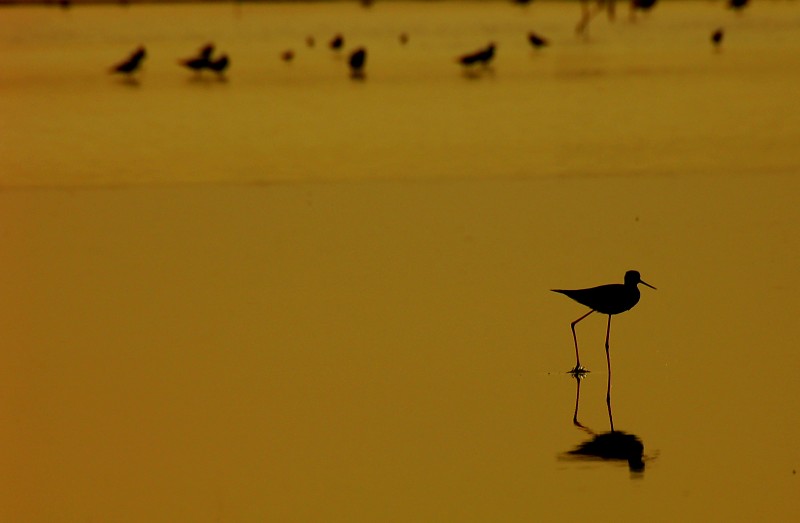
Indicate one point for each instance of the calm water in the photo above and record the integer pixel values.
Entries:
(292, 296)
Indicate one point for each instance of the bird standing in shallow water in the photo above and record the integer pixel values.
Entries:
(132, 63)
(220, 65)
(607, 299)
(337, 42)
(537, 41)
(716, 37)
(357, 60)
(482, 56)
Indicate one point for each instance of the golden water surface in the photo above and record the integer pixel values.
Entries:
(190, 336)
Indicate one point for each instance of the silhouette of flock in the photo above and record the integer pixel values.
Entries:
(472, 62)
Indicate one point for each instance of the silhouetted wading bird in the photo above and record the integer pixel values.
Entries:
(357, 60)
(717, 36)
(483, 56)
(537, 41)
(201, 60)
(132, 63)
(220, 65)
(606, 299)
(337, 42)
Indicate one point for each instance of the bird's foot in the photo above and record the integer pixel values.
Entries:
(579, 371)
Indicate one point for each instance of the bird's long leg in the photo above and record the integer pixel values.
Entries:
(578, 367)
(608, 358)
(608, 363)
(608, 402)
(577, 402)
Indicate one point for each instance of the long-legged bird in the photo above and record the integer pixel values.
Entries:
(607, 299)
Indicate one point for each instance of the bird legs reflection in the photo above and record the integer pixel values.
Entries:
(614, 445)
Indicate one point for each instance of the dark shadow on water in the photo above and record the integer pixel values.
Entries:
(476, 73)
(207, 80)
(612, 446)
(129, 81)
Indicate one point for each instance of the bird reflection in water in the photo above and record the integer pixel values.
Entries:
(613, 446)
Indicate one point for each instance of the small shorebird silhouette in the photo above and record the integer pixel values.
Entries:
(716, 37)
(356, 61)
(132, 63)
(537, 41)
(737, 4)
(219, 65)
(337, 42)
(201, 60)
(482, 56)
(606, 299)
(287, 55)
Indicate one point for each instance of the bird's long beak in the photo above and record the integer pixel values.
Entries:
(645, 283)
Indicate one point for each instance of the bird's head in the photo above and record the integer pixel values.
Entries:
(633, 278)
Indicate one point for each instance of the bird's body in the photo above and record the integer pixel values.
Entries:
(610, 299)
(537, 41)
(606, 299)
(132, 63)
(483, 56)
(337, 42)
(220, 64)
(717, 36)
(201, 60)
(196, 64)
(356, 61)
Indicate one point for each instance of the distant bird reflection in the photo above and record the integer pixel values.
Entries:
(588, 13)
(614, 445)
(356, 61)
(609, 299)
(131, 64)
